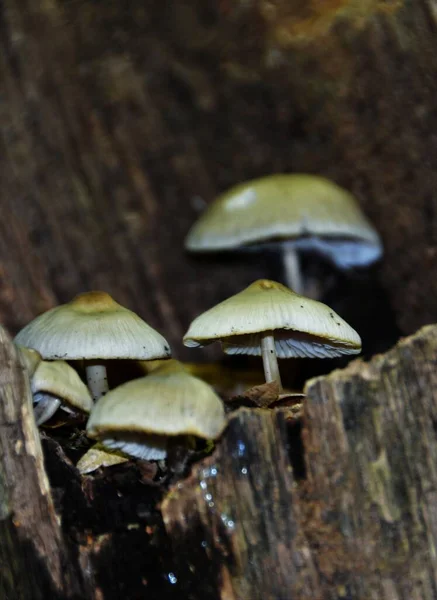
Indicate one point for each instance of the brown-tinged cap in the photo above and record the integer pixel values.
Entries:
(93, 326)
(302, 327)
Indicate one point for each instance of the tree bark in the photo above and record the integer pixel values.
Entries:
(371, 452)
(235, 522)
(360, 524)
(35, 561)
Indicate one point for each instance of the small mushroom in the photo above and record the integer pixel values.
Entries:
(270, 320)
(93, 327)
(31, 359)
(294, 212)
(98, 457)
(141, 416)
(54, 385)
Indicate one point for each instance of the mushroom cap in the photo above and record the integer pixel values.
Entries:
(307, 210)
(58, 379)
(97, 457)
(31, 358)
(301, 327)
(93, 326)
(167, 402)
(168, 364)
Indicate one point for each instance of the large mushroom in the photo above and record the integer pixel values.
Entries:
(296, 212)
(141, 416)
(93, 327)
(267, 319)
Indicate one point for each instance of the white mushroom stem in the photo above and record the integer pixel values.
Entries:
(97, 380)
(270, 361)
(293, 273)
(45, 406)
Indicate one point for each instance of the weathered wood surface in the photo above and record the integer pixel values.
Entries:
(121, 120)
(371, 455)
(234, 522)
(35, 560)
(359, 525)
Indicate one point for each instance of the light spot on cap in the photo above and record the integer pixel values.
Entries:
(245, 198)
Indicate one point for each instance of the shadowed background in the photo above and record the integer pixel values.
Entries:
(120, 121)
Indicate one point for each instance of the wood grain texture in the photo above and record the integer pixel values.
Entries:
(120, 122)
(360, 524)
(371, 455)
(35, 562)
(100, 169)
(371, 98)
(233, 522)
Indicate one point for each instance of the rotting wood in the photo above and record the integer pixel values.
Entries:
(233, 522)
(371, 453)
(359, 525)
(35, 561)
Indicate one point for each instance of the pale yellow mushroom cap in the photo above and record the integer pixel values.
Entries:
(302, 327)
(31, 359)
(167, 402)
(58, 379)
(169, 364)
(309, 210)
(93, 326)
(97, 457)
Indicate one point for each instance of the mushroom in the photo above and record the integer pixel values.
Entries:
(97, 457)
(270, 320)
(296, 212)
(54, 385)
(31, 359)
(93, 327)
(141, 416)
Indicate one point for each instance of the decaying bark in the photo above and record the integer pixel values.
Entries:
(35, 561)
(360, 525)
(235, 524)
(371, 454)
(120, 121)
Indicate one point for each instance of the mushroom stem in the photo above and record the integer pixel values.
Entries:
(270, 361)
(96, 379)
(293, 274)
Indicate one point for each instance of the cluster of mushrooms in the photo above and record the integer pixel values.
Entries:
(143, 416)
